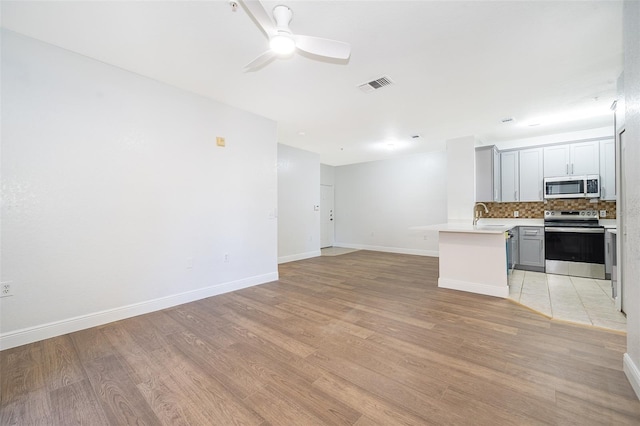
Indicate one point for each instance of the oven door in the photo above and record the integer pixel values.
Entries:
(574, 251)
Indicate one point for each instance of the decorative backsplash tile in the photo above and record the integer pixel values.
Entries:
(535, 210)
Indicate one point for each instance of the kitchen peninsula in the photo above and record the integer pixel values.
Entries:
(473, 258)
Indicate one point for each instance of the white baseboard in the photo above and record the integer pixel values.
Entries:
(69, 325)
(400, 250)
(299, 256)
(632, 372)
(478, 288)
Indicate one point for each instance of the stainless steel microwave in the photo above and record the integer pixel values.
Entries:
(586, 186)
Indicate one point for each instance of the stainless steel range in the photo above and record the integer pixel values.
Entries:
(574, 243)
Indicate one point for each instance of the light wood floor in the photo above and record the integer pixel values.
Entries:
(364, 338)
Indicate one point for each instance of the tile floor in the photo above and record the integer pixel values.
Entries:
(574, 299)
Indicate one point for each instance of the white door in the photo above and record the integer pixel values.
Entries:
(326, 216)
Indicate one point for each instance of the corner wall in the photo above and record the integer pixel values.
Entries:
(631, 191)
(377, 203)
(298, 193)
(116, 199)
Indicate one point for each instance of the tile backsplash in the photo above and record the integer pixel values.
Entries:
(535, 210)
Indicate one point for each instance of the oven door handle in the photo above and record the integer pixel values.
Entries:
(575, 230)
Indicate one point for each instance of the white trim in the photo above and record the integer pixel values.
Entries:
(417, 252)
(69, 325)
(632, 372)
(489, 290)
(299, 256)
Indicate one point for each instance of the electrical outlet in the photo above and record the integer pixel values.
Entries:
(516, 213)
(603, 213)
(6, 289)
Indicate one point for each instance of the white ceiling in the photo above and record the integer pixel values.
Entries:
(459, 67)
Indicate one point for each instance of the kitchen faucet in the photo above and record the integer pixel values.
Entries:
(478, 214)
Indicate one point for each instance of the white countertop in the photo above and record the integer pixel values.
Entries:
(466, 228)
(496, 226)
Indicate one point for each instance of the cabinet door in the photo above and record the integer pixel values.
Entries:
(607, 170)
(515, 247)
(585, 158)
(556, 160)
(496, 175)
(509, 176)
(484, 174)
(531, 246)
(531, 174)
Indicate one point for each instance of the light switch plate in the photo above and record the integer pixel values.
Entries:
(220, 141)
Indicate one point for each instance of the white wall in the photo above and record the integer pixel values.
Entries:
(116, 199)
(298, 193)
(631, 193)
(327, 175)
(376, 203)
(461, 179)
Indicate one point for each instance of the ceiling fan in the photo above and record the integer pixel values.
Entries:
(282, 42)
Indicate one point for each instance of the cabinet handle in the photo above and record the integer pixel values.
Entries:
(572, 171)
(566, 167)
(608, 247)
(515, 195)
(604, 192)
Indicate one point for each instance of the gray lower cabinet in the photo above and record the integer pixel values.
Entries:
(515, 247)
(608, 254)
(531, 240)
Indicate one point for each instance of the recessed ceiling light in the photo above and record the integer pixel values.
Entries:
(301, 133)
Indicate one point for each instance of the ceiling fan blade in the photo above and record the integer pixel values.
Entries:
(323, 47)
(260, 16)
(260, 61)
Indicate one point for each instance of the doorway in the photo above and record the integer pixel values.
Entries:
(327, 227)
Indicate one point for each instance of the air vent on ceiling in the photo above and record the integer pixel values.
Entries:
(376, 84)
(508, 120)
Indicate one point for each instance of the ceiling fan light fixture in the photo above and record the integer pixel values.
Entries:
(282, 45)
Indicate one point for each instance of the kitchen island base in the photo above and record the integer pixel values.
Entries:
(474, 261)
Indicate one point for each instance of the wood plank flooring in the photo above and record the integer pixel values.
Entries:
(364, 338)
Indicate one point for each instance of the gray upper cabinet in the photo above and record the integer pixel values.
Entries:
(582, 158)
(607, 170)
(531, 174)
(487, 174)
(509, 176)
